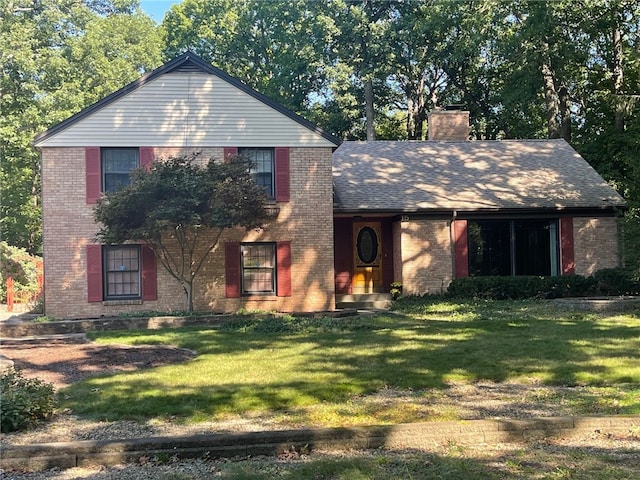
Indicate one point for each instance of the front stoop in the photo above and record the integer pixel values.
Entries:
(414, 435)
(364, 301)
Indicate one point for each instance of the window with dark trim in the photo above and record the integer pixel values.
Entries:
(263, 167)
(258, 266)
(117, 165)
(121, 267)
(513, 247)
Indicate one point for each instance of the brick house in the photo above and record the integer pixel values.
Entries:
(351, 220)
(182, 107)
(425, 212)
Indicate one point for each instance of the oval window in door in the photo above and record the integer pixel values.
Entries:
(367, 245)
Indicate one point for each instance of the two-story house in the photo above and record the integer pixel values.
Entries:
(353, 216)
(187, 106)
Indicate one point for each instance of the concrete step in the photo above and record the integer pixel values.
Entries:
(362, 301)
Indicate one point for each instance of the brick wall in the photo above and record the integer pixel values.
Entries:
(596, 244)
(306, 221)
(450, 125)
(422, 256)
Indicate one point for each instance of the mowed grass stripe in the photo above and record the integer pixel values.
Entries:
(284, 364)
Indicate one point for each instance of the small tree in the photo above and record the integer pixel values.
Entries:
(180, 203)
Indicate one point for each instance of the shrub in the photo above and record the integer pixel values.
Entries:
(497, 288)
(616, 281)
(517, 288)
(24, 269)
(563, 286)
(24, 401)
(611, 281)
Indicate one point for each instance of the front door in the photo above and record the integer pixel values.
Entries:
(367, 272)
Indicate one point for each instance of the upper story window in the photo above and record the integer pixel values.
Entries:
(263, 167)
(117, 165)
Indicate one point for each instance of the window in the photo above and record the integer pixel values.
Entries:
(263, 168)
(258, 268)
(121, 272)
(513, 247)
(117, 164)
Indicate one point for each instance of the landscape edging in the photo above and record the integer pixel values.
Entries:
(24, 329)
(84, 453)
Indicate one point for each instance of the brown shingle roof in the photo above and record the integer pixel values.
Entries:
(414, 176)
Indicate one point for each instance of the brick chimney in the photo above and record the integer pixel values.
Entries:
(451, 124)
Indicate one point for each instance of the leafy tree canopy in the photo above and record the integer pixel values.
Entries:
(57, 58)
(181, 207)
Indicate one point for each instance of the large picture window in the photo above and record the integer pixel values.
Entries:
(117, 165)
(258, 268)
(263, 167)
(121, 269)
(513, 247)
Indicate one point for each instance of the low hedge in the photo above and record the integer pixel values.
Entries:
(613, 281)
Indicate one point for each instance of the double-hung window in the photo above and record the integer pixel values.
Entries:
(121, 267)
(258, 268)
(117, 165)
(262, 169)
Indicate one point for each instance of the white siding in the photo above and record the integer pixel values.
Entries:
(182, 110)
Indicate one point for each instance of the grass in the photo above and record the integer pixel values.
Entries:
(451, 462)
(316, 372)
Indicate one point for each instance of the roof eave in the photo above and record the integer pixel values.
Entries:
(614, 210)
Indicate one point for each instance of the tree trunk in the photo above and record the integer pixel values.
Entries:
(411, 120)
(618, 78)
(368, 107)
(188, 293)
(551, 101)
(565, 113)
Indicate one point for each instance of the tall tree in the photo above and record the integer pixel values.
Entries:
(558, 48)
(361, 45)
(469, 56)
(181, 208)
(278, 48)
(416, 40)
(57, 58)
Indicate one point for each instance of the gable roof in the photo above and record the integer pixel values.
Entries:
(473, 176)
(186, 64)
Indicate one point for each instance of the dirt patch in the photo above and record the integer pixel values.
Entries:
(65, 363)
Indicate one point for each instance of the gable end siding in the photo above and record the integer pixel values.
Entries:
(186, 110)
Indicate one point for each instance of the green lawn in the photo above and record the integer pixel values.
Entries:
(313, 371)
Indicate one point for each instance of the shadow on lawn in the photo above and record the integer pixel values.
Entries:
(362, 355)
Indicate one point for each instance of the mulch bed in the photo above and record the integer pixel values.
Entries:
(63, 363)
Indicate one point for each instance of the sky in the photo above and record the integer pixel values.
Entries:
(156, 8)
